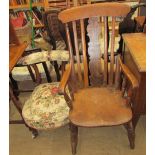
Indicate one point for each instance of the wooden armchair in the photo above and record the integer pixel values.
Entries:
(103, 97)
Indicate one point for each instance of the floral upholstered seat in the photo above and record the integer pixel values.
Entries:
(45, 108)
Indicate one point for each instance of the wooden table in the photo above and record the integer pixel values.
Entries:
(15, 52)
(135, 59)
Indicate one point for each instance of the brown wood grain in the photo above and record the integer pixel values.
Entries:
(136, 43)
(15, 52)
(105, 50)
(91, 10)
(129, 74)
(65, 79)
(77, 50)
(84, 53)
(139, 102)
(111, 77)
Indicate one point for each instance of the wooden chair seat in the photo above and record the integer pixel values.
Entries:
(100, 107)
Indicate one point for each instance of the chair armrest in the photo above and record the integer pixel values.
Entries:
(128, 74)
(64, 80)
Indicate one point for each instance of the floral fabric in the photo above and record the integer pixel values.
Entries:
(46, 109)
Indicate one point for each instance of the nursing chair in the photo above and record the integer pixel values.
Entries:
(102, 95)
(45, 108)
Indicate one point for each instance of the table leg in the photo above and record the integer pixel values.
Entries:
(14, 84)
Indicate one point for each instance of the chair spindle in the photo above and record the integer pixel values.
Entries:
(105, 51)
(111, 77)
(77, 51)
(84, 53)
(70, 49)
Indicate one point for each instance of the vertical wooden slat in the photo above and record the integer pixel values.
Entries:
(105, 50)
(88, 1)
(68, 3)
(111, 77)
(84, 53)
(46, 4)
(117, 74)
(75, 2)
(123, 86)
(70, 49)
(77, 51)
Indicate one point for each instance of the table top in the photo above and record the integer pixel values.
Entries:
(15, 52)
(136, 43)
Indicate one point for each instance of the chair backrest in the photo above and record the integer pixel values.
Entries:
(103, 11)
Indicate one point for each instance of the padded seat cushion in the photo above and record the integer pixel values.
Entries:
(99, 107)
(45, 108)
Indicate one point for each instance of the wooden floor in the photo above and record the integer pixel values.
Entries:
(92, 141)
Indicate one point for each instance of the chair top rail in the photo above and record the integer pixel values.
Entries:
(92, 10)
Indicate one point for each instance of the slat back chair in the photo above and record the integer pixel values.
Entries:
(103, 103)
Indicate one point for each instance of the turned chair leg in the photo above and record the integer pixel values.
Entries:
(131, 134)
(74, 137)
(34, 132)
